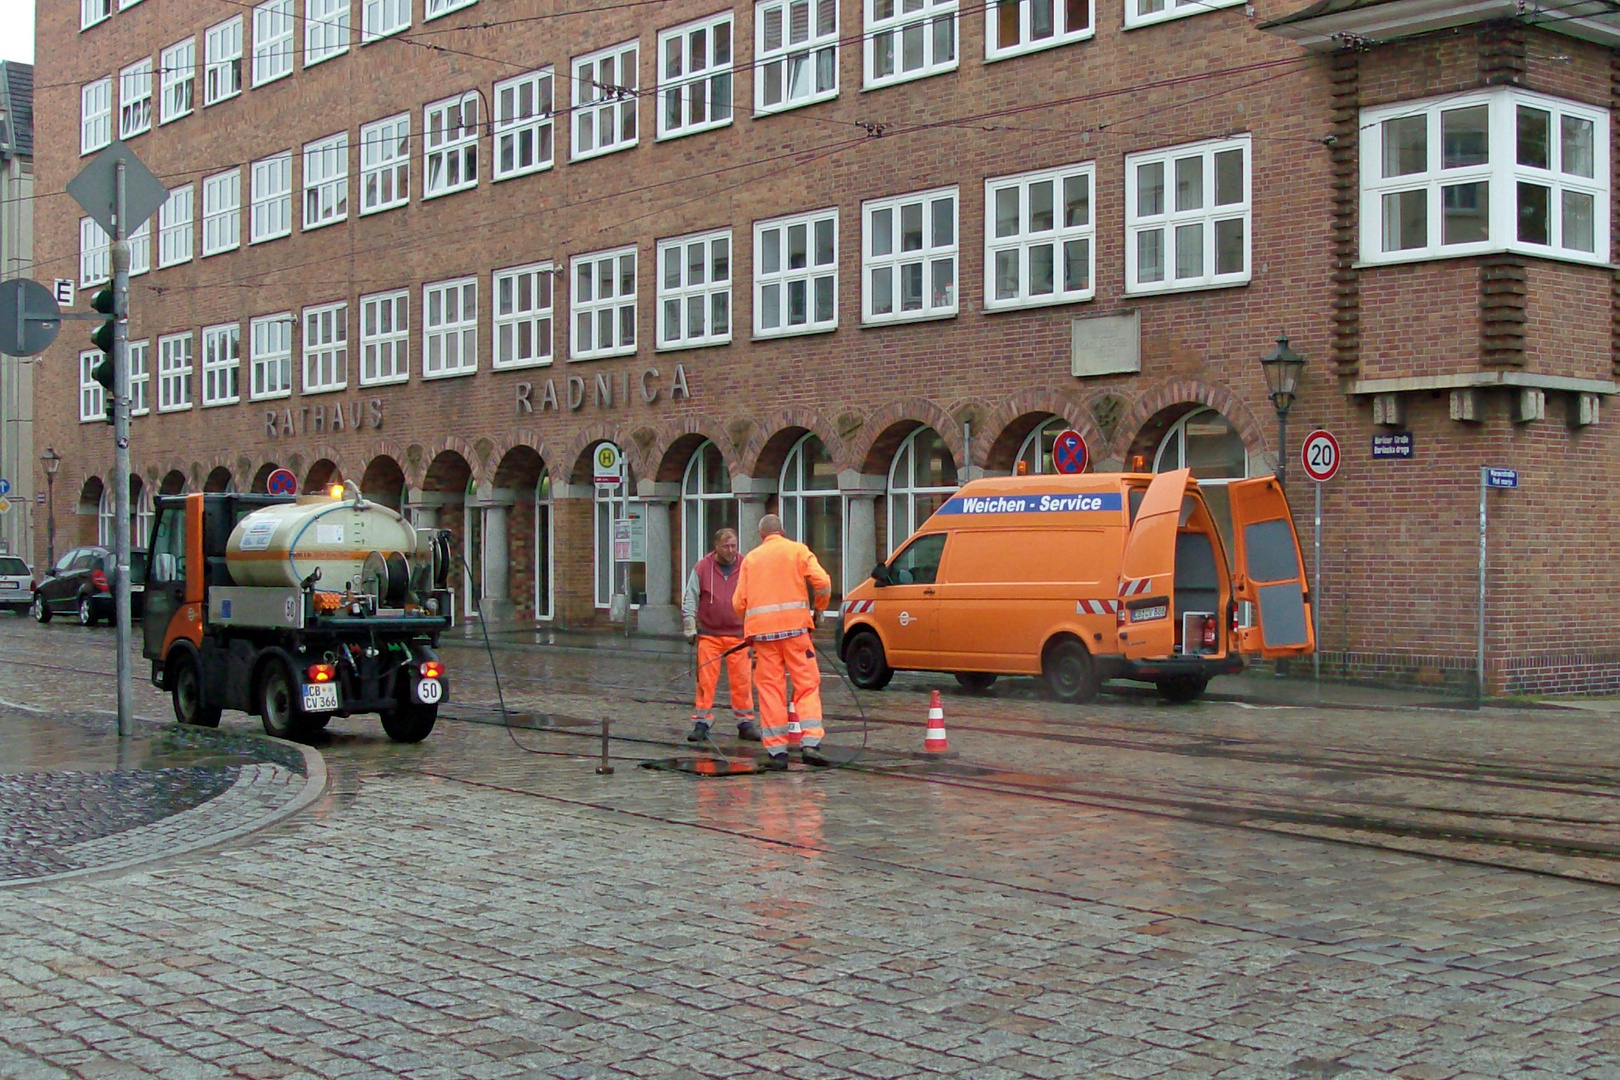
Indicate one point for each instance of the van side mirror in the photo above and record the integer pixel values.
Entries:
(880, 574)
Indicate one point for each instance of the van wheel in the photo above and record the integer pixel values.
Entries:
(279, 707)
(42, 610)
(868, 667)
(1066, 667)
(975, 682)
(1182, 688)
(191, 704)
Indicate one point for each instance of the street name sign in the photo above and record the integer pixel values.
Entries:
(1501, 478)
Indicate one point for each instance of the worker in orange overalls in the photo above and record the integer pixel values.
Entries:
(710, 622)
(780, 588)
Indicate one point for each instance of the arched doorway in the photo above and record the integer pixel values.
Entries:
(88, 511)
(322, 474)
(140, 513)
(1206, 442)
(261, 479)
(707, 505)
(173, 483)
(921, 478)
(106, 517)
(384, 482)
(219, 479)
(812, 507)
(444, 497)
(516, 530)
(1035, 454)
(613, 504)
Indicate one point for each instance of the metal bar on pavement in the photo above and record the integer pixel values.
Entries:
(1479, 654)
(1316, 594)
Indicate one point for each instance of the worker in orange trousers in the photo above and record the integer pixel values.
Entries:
(710, 621)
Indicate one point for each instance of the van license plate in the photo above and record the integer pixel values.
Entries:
(321, 697)
(1148, 614)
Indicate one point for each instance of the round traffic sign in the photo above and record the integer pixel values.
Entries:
(1320, 455)
(281, 482)
(1069, 454)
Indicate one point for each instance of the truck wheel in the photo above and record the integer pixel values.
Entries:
(1069, 675)
(87, 614)
(191, 704)
(975, 682)
(278, 703)
(1182, 688)
(410, 721)
(42, 610)
(863, 656)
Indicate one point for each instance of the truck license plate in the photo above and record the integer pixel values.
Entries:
(321, 697)
(1148, 614)
(429, 691)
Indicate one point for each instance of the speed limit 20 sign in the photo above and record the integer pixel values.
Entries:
(1320, 456)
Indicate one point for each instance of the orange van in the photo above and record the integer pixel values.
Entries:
(1079, 579)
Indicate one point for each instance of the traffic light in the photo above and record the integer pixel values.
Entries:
(105, 372)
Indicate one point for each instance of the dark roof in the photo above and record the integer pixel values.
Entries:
(16, 109)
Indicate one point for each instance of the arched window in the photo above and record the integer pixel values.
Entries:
(613, 503)
(811, 507)
(106, 515)
(1036, 453)
(141, 534)
(922, 477)
(707, 504)
(1207, 443)
(543, 553)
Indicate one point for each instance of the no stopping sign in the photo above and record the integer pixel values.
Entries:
(1320, 455)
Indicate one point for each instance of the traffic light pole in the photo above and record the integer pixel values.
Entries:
(120, 268)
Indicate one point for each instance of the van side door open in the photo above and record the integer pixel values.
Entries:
(1269, 570)
(1147, 570)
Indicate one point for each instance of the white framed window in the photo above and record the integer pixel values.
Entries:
(175, 240)
(326, 180)
(450, 328)
(385, 328)
(1187, 217)
(1039, 238)
(326, 30)
(92, 395)
(140, 377)
(95, 254)
(707, 504)
(909, 39)
(271, 215)
(92, 12)
(1498, 170)
(522, 316)
(1148, 12)
(178, 80)
(921, 477)
(435, 8)
(812, 507)
(222, 212)
(450, 145)
(694, 290)
(174, 373)
(908, 257)
(95, 115)
(270, 355)
(523, 124)
(385, 164)
(272, 41)
(326, 348)
(603, 304)
(1016, 27)
(795, 53)
(605, 85)
(796, 274)
(379, 18)
(135, 98)
(222, 61)
(140, 249)
(694, 77)
(221, 364)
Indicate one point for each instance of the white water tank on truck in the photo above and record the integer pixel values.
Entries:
(281, 546)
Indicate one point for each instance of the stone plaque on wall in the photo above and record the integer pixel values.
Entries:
(1106, 345)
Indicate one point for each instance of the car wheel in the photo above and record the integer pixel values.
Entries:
(87, 613)
(42, 610)
(1182, 688)
(279, 707)
(975, 682)
(868, 667)
(191, 704)
(1068, 671)
(409, 721)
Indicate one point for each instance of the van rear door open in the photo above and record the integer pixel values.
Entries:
(1147, 572)
(1269, 571)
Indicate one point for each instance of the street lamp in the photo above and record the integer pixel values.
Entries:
(1282, 366)
(52, 461)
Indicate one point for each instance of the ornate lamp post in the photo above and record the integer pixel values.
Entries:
(1282, 366)
(52, 461)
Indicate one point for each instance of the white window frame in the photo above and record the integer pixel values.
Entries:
(687, 90)
(450, 328)
(174, 372)
(1026, 43)
(326, 30)
(889, 30)
(874, 265)
(135, 98)
(222, 67)
(777, 233)
(794, 59)
(270, 356)
(271, 184)
(382, 18)
(222, 212)
(326, 181)
(523, 298)
(1209, 216)
(140, 249)
(434, 9)
(326, 343)
(616, 305)
(175, 227)
(1501, 172)
(904, 491)
(138, 353)
(273, 48)
(385, 164)
(450, 145)
(1170, 9)
(178, 64)
(95, 254)
(92, 12)
(592, 101)
(1023, 242)
(527, 136)
(385, 333)
(711, 294)
(92, 395)
(95, 115)
(221, 364)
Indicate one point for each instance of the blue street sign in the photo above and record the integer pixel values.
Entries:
(5, 487)
(1394, 445)
(281, 482)
(1500, 478)
(1069, 452)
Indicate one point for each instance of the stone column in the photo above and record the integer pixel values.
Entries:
(860, 493)
(495, 596)
(752, 494)
(659, 614)
(421, 508)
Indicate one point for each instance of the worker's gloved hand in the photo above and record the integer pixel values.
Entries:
(689, 629)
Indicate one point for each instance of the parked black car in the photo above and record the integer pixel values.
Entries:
(81, 584)
(16, 584)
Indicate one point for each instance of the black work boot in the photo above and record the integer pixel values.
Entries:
(775, 762)
(699, 732)
(748, 731)
(812, 755)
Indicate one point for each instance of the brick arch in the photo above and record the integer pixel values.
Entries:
(1010, 423)
(1186, 392)
(764, 453)
(222, 461)
(417, 475)
(508, 441)
(888, 427)
(680, 439)
(575, 468)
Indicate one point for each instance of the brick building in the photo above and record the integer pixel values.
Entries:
(833, 258)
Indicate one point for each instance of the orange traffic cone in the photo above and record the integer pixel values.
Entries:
(934, 741)
(795, 733)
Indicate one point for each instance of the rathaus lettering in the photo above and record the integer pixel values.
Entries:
(604, 390)
(324, 419)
